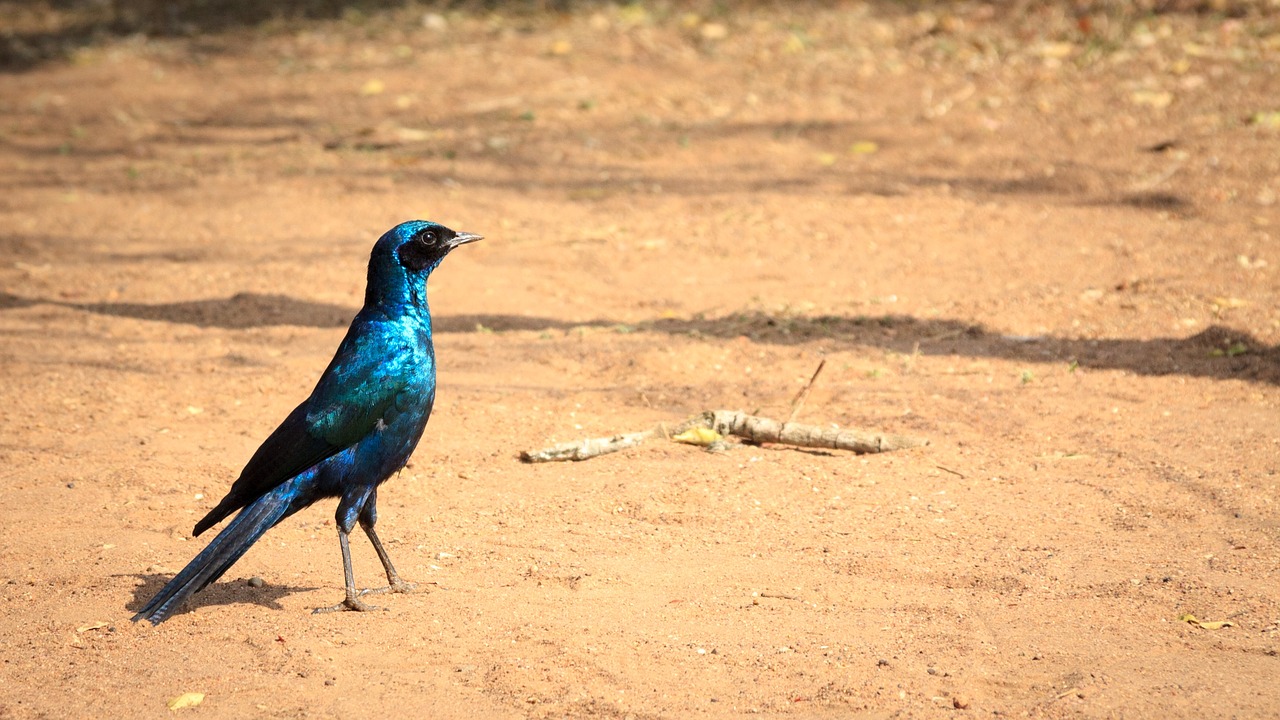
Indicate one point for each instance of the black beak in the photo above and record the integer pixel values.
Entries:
(463, 238)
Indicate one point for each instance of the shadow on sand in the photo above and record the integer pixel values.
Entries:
(219, 593)
(1217, 352)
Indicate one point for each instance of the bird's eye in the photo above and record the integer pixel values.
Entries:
(428, 237)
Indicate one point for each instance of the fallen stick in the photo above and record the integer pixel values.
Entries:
(586, 449)
(766, 430)
(751, 428)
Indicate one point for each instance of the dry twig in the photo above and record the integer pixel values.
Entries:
(585, 449)
(798, 403)
(751, 428)
(765, 430)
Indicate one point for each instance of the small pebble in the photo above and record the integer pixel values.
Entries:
(256, 582)
(71, 485)
(330, 681)
(882, 663)
(960, 702)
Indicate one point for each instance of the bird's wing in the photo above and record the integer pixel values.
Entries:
(359, 387)
(353, 395)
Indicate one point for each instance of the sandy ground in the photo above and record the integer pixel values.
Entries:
(1053, 253)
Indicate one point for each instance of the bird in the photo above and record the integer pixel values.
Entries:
(357, 428)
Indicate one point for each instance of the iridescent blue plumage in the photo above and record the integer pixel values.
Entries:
(358, 427)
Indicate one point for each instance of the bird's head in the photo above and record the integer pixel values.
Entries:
(419, 245)
(406, 254)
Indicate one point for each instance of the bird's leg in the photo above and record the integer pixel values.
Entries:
(394, 583)
(352, 601)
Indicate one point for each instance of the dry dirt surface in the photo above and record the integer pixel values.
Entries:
(1046, 242)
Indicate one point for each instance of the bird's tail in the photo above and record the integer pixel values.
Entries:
(225, 549)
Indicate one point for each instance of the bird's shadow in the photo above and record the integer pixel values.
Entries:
(233, 592)
(1217, 351)
(254, 310)
(238, 312)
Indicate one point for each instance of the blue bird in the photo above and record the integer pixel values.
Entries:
(360, 424)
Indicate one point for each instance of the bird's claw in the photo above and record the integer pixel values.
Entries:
(397, 586)
(352, 603)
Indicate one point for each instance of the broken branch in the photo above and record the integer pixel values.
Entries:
(766, 430)
(586, 449)
(751, 428)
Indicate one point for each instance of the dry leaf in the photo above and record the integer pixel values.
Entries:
(1206, 624)
(714, 31)
(1158, 99)
(633, 14)
(1057, 50)
(1194, 50)
(186, 700)
(865, 147)
(435, 21)
(413, 134)
(1266, 119)
(91, 626)
(698, 436)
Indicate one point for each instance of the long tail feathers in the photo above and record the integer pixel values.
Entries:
(218, 556)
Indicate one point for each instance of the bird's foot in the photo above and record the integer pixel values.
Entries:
(352, 603)
(396, 586)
